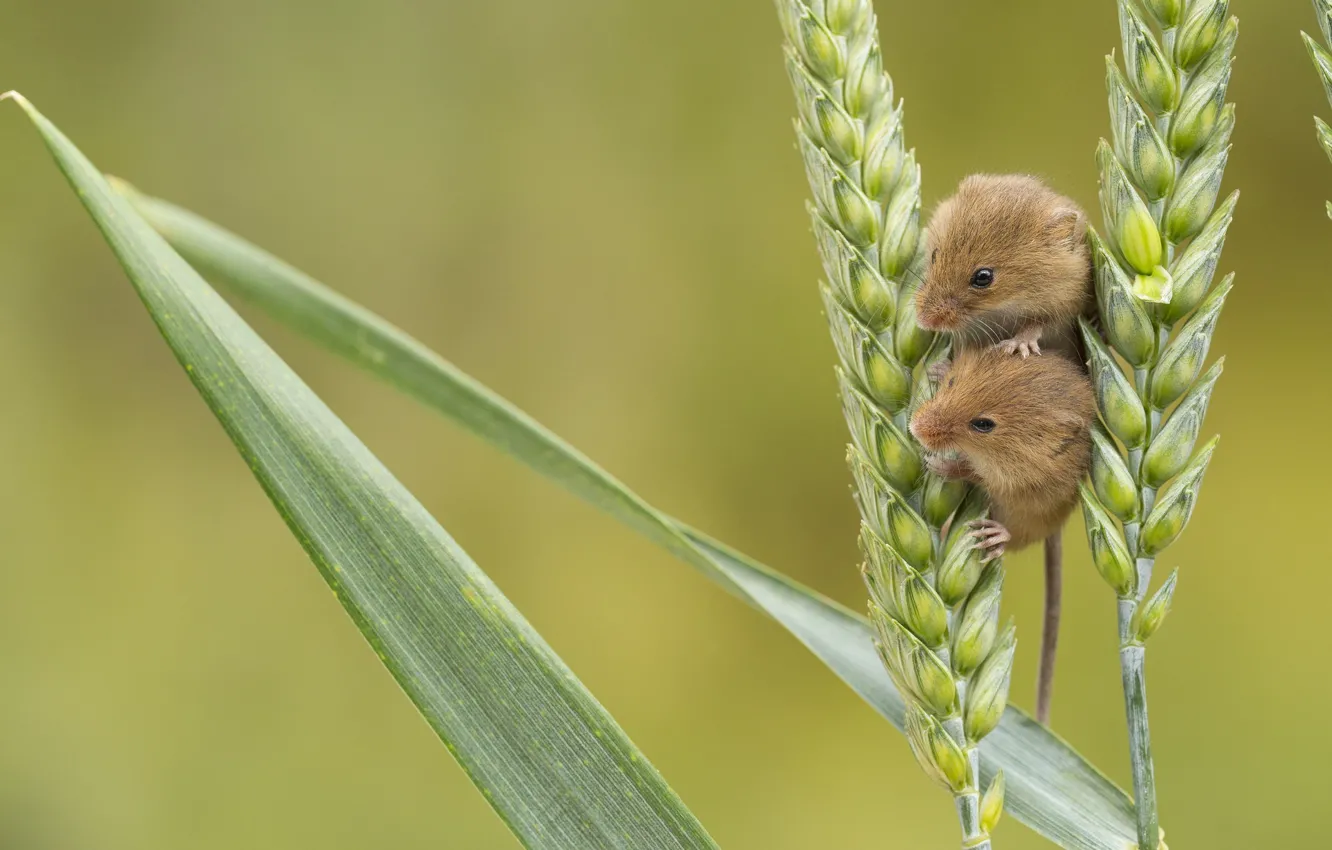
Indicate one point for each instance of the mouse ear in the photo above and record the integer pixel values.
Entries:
(1069, 225)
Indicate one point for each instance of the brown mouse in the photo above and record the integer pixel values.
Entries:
(1022, 430)
(1008, 265)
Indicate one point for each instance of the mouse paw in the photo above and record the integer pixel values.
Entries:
(991, 537)
(948, 467)
(1015, 346)
(1026, 342)
(938, 370)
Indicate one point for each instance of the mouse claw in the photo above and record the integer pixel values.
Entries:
(990, 536)
(1026, 343)
(1018, 346)
(951, 468)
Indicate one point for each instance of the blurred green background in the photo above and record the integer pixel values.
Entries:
(596, 208)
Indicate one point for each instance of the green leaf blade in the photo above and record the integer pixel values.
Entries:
(546, 755)
(1050, 786)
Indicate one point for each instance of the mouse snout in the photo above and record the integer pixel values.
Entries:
(937, 314)
(928, 429)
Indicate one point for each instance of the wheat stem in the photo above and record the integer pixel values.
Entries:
(933, 604)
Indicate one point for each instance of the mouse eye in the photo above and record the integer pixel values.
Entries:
(934, 255)
(982, 425)
(951, 381)
(982, 278)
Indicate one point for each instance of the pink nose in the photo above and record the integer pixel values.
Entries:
(927, 427)
(922, 429)
(936, 317)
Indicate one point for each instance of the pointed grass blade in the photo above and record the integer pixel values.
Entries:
(545, 754)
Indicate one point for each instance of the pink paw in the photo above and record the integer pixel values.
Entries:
(991, 536)
(1018, 345)
(946, 467)
(938, 370)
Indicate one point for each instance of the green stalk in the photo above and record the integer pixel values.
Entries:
(934, 606)
(1132, 660)
(1159, 183)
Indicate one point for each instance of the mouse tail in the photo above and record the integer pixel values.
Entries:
(1054, 591)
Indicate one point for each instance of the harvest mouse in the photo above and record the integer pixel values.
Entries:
(1008, 264)
(1022, 432)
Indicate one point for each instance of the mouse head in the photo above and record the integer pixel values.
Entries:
(1011, 416)
(1004, 247)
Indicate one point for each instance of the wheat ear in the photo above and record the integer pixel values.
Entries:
(1322, 60)
(1159, 182)
(934, 605)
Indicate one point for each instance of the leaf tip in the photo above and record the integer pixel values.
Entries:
(23, 102)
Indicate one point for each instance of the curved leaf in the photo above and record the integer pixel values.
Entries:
(547, 756)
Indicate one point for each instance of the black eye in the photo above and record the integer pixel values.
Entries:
(982, 425)
(950, 381)
(982, 278)
(934, 255)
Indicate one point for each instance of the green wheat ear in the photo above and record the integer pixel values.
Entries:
(1322, 60)
(1160, 176)
(934, 606)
